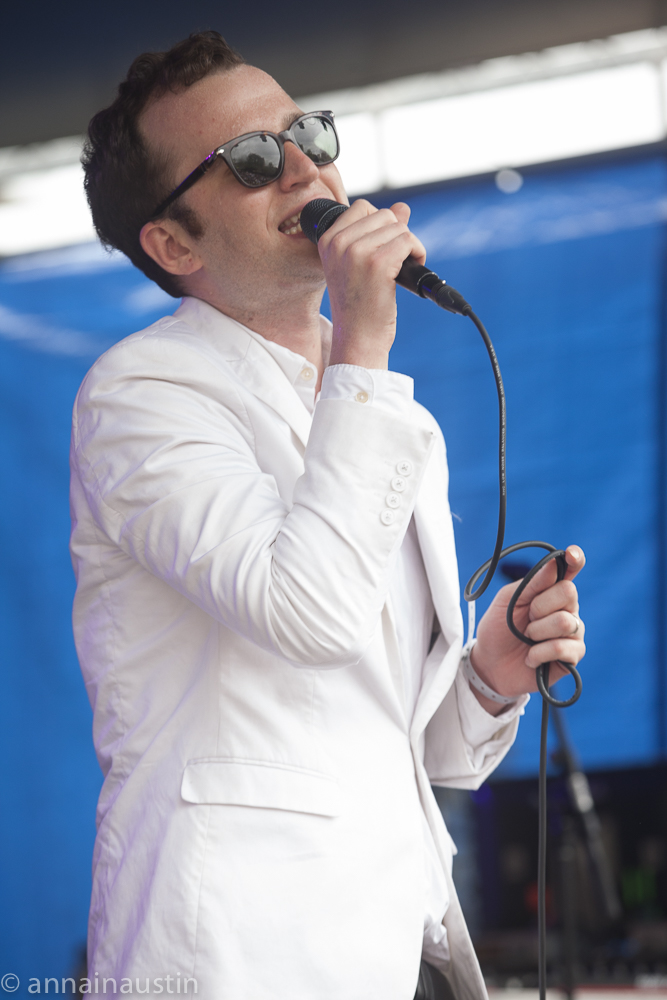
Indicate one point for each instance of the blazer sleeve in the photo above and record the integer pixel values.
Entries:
(164, 451)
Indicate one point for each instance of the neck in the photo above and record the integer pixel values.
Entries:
(291, 319)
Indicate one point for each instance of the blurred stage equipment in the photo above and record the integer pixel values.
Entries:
(316, 218)
(581, 814)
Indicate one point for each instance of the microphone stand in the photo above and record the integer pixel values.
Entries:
(581, 814)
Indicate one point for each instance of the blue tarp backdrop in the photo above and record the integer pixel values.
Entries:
(567, 274)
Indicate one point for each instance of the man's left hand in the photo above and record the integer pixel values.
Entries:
(548, 612)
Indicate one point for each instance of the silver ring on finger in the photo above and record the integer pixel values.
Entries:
(577, 623)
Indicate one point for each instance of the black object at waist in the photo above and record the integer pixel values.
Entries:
(432, 985)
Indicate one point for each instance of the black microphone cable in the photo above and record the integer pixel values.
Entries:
(316, 217)
(543, 670)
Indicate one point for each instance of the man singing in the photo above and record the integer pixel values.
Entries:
(267, 611)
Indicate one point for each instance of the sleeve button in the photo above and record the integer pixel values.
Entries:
(361, 397)
(404, 468)
(398, 484)
(393, 500)
(387, 516)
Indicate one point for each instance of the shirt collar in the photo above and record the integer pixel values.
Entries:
(300, 373)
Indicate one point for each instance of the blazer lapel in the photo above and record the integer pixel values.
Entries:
(436, 539)
(254, 366)
(263, 376)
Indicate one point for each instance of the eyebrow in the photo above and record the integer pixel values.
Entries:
(290, 118)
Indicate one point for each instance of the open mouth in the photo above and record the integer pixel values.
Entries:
(291, 226)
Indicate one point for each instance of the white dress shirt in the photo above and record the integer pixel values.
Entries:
(409, 592)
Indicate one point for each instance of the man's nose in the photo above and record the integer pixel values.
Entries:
(299, 168)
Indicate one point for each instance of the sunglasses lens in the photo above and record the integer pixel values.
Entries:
(257, 160)
(317, 139)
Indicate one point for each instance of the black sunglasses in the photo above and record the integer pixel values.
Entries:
(258, 158)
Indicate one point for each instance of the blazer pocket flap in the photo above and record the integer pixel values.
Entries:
(263, 784)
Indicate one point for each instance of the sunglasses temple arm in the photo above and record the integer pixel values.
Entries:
(191, 179)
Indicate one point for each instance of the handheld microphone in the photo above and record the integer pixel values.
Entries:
(321, 213)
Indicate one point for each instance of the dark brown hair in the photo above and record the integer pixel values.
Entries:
(123, 181)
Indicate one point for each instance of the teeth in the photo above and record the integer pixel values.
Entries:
(291, 226)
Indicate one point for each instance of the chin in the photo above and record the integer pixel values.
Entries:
(303, 260)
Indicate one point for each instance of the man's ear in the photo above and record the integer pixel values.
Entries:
(170, 247)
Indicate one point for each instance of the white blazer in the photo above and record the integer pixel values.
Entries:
(259, 826)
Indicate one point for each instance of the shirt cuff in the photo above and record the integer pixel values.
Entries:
(388, 391)
(477, 725)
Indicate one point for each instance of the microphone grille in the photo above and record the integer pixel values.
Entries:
(318, 215)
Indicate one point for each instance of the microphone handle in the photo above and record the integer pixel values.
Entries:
(423, 281)
(319, 215)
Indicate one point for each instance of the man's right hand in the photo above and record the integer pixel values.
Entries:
(362, 254)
